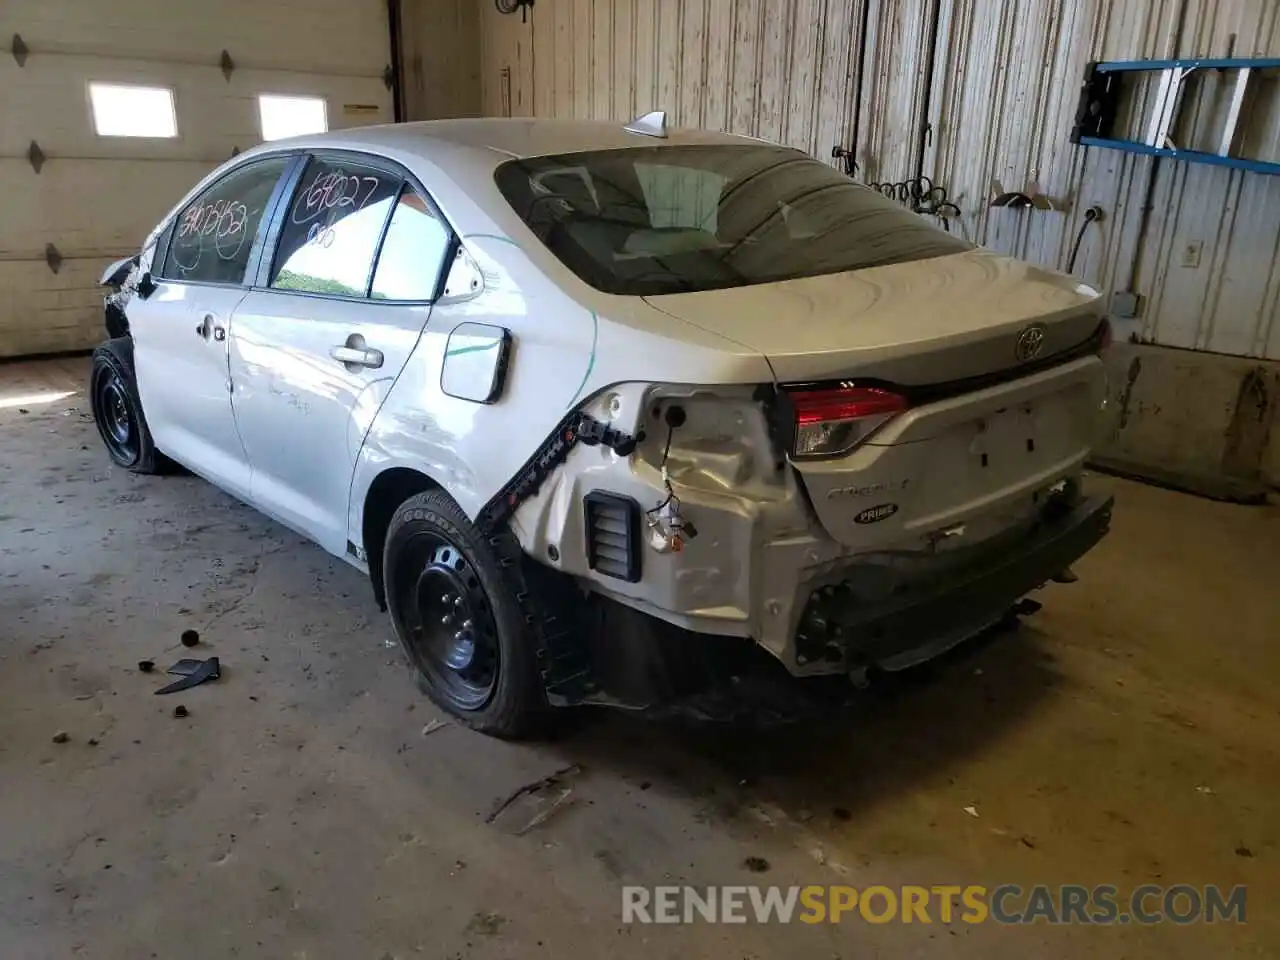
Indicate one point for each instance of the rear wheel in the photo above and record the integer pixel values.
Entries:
(454, 607)
(117, 408)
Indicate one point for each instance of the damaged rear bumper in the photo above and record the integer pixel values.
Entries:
(921, 618)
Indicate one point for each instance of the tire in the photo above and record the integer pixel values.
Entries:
(117, 409)
(454, 605)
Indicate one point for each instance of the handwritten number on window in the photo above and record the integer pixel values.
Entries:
(213, 236)
(220, 225)
(319, 235)
(337, 191)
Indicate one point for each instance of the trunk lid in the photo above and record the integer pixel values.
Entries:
(965, 461)
(923, 322)
(963, 468)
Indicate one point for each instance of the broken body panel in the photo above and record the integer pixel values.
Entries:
(771, 532)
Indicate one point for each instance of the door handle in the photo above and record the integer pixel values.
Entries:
(208, 327)
(357, 356)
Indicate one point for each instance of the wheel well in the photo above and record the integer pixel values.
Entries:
(116, 321)
(388, 490)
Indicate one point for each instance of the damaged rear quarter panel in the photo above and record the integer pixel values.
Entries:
(731, 482)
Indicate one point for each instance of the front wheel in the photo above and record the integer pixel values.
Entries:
(117, 408)
(455, 610)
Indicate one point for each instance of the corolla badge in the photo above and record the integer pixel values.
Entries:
(875, 514)
(1030, 342)
(867, 490)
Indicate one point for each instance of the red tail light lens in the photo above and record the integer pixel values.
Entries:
(831, 422)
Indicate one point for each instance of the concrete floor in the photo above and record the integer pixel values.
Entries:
(1128, 734)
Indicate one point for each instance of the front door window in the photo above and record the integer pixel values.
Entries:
(214, 235)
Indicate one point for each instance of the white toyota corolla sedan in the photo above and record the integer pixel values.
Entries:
(587, 400)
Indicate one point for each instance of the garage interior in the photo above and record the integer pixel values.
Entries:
(313, 804)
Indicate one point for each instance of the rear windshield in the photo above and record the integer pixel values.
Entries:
(671, 219)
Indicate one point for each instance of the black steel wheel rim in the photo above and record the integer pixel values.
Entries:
(114, 415)
(447, 620)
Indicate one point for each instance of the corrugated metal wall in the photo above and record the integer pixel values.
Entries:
(1012, 70)
(771, 68)
(1004, 94)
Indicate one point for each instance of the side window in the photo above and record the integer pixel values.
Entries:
(213, 236)
(332, 228)
(413, 252)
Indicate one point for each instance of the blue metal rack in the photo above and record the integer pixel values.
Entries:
(1103, 88)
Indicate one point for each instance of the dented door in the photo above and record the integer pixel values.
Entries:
(317, 349)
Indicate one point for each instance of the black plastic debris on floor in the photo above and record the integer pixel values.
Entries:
(193, 673)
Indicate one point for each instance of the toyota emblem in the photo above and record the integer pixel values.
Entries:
(1030, 341)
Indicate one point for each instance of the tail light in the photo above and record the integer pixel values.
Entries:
(832, 422)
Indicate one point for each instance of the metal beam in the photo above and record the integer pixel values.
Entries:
(1207, 63)
(1190, 156)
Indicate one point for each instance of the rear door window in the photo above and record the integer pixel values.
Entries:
(332, 228)
(670, 219)
(213, 237)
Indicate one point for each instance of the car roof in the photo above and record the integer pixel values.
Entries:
(458, 145)
(456, 159)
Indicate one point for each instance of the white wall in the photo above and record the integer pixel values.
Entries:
(96, 198)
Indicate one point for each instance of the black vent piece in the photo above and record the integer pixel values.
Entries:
(613, 535)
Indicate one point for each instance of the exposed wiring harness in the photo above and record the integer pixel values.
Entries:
(666, 476)
(668, 529)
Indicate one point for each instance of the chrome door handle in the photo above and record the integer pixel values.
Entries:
(357, 356)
